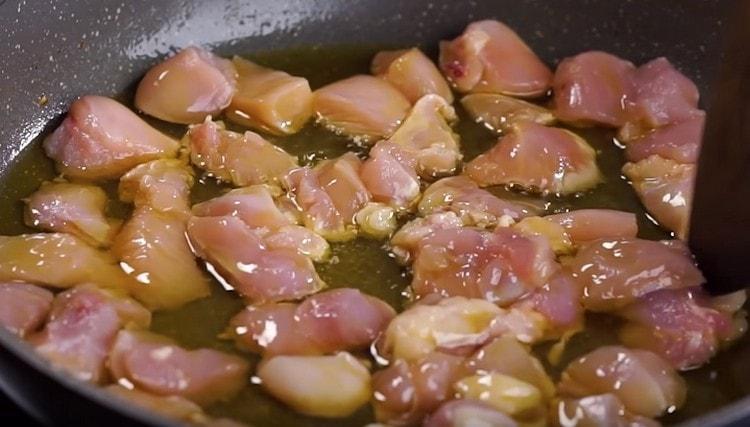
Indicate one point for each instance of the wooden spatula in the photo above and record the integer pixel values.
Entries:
(720, 221)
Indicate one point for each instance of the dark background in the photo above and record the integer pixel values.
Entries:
(12, 415)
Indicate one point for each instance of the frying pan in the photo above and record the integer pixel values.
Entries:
(61, 49)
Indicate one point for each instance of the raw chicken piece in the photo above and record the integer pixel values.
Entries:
(584, 225)
(474, 205)
(162, 185)
(152, 246)
(507, 394)
(500, 267)
(455, 325)
(593, 88)
(157, 365)
(364, 107)
(490, 57)
(187, 87)
(258, 273)
(254, 205)
(270, 100)
(337, 320)
(427, 135)
(71, 208)
(153, 249)
(319, 210)
(58, 260)
(468, 412)
(505, 355)
(538, 158)
(500, 112)
(615, 272)
(102, 139)
(679, 141)
(390, 176)
(300, 239)
(340, 179)
(663, 96)
(679, 325)
(665, 188)
(404, 392)
(411, 72)
(559, 301)
(644, 382)
(173, 407)
(23, 307)
(406, 241)
(321, 386)
(82, 327)
(596, 411)
(242, 159)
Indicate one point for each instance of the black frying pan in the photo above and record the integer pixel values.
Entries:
(63, 49)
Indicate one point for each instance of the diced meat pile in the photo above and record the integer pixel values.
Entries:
(491, 276)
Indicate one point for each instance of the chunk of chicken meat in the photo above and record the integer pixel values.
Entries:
(455, 325)
(616, 272)
(475, 206)
(680, 142)
(82, 327)
(241, 159)
(376, 220)
(58, 260)
(340, 179)
(23, 307)
(390, 175)
(156, 364)
(405, 392)
(406, 242)
(187, 87)
(594, 88)
(152, 246)
(331, 194)
(363, 107)
(585, 225)
(500, 267)
(596, 411)
(427, 135)
(643, 382)
(411, 72)
(665, 188)
(468, 412)
(173, 407)
(162, 185)
(663, 96)
(337, 320)
(554, 233)
(679, 325)
(500, 112)
(321, 386)
(506, 355)
(71, 208)
(489, 57)
(269, 100)
(102, 139)
(254, 205)
(239, 258)
(538, 158)
(559, 301)
(504, 393)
